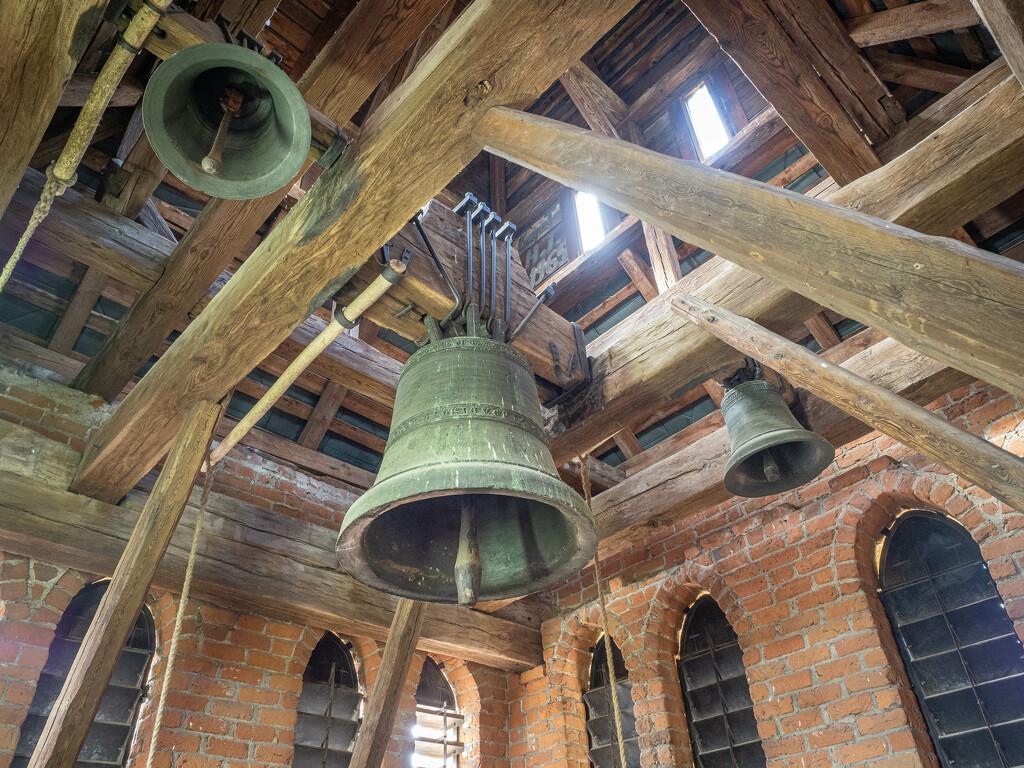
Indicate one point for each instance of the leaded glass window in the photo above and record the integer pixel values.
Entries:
(719, 711)
(436, 739)
(329, 707)
(109, 739)
(959, 646)
(601, 732)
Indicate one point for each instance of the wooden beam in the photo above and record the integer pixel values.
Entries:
(250, 558)
(323, 415)
(1005, 20)
(77, 314)
(975, 459)
(638, 274)
(636, 369)
(42, 43)
(928, 17)
(89, 232)
(127, 93)
(753, 36)
(142, 173)
(496, 177)
(918, 72)
(885, 276)
(360, 201)
(72, 714)
(822, 330)
(386, 693)
(627, 443)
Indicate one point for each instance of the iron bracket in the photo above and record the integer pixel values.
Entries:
(580, 356)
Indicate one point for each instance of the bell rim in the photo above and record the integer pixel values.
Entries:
(367, 508)
(227, 54)
(824, 450)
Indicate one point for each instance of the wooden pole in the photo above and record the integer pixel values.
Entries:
(375, 732)
(926, 292)
(975, 459)
(79, 699)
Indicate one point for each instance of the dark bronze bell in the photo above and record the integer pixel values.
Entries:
(226, 121)
(771, 452)
(466, 461)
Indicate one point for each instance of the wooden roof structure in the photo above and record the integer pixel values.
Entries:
(906, 114)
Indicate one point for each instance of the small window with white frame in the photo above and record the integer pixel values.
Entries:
(707, 125)
(436, 732)
(591, 222)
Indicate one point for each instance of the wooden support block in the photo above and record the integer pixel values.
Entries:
(323, 414)
(822, 330)
(1005, 20)
(144, 172)
(638, 274)
(79, 700)
(627, 443)
(77, 314)
(386, 693)
(928, 17)
(918, 72)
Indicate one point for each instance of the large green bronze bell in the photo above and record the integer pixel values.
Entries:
(771, 452)
(226, 121)
(466, 463)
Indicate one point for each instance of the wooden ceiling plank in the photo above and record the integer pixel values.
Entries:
(495, 51)
(753, 36)
(928, 17)
(42, 43)
(918, 72)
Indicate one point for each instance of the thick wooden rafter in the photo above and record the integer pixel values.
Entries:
(491, 54)
(1005, 20)
(626, 389)
(42, 44)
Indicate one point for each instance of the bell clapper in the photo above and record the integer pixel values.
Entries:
(771, 469)
(468, 567)
(231, 103)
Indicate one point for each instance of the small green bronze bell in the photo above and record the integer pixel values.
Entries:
(467, 505)
(226, 121)
(771, 452)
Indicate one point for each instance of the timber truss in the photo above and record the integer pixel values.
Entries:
(873, 175)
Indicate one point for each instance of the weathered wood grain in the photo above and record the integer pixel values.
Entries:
(1005, 20)
(914, 20)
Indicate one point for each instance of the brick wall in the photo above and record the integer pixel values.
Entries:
(795, 574)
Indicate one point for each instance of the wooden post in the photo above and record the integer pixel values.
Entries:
(79, 699)
(375, 732)
(927, 292)
(975, 459)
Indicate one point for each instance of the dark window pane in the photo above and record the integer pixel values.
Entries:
(963, 657)
(601, 735)
(110, 736)
(719, 711)
(329, 703)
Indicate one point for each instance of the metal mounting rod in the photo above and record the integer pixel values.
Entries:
(508, 229)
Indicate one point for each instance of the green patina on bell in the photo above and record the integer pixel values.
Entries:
(771, 452)
(267, 134)
(466, 458)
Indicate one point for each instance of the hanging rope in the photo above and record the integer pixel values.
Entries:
(172, 654)
(616, 710)
(61, 173)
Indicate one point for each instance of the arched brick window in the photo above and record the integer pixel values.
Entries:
(959, 646)
(329, 707)
(719, 710)
(601, 733)
(436, 742)
(110, 736)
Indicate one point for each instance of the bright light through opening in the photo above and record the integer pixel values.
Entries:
(707, 123)
(588, 211)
